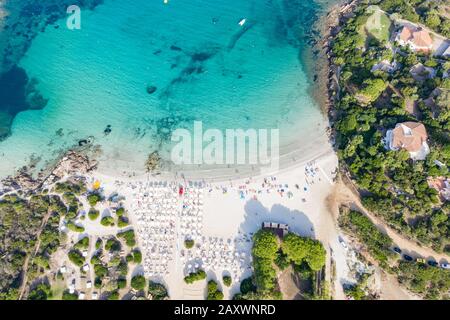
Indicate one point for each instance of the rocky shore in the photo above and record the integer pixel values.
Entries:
(71, 163)
(334, 21)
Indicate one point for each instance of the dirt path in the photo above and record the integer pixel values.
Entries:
(345, 196)
(36, 249)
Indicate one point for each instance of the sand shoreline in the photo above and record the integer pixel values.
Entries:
(237, 207)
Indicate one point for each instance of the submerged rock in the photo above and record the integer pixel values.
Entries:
(153, 161)
(151, 89)
(107, 130)
(175, 48)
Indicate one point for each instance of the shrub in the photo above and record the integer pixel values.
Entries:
(213, 292)
(377, 242)
(227, 280)
(188, 243)
(73, 227)
(128, 236)
(93, 199)
(121, 283)
(138, 282)
(120, 211)
(107, 221)
(40, 292)
(98, 283)
(247, 286)
(98, 244)
(69, 296)
(114, 295)
(157, 291)
(137, 256)
(281, 260)
(122, 222)
(82, 244)
(93, 214)
(76, 258)
(112, 244)
(100, 271)
(195, 276)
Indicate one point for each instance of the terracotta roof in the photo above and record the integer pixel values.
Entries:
(437, 183)
(419, 37)
(406, 33)
(409, 136)
(422, 39)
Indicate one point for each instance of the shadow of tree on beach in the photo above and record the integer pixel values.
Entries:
(256, 214)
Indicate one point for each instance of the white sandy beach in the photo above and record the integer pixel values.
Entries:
(229, 212)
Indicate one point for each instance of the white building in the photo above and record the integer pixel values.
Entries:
(409, 136)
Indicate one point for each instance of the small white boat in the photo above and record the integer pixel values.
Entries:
(242, 22)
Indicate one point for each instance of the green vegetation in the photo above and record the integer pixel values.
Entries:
(247, 286)
(378, 25)
(137, 256)
(138, 282)
(157, 291)
(128, 236)
(93, 214)
(299, 250)
(41, 292)
(121, 283)
(112, 244)
(226, 280)
(98, 244)
(120, 212)
(114, 295)
(359, 290)
(430, 13)
(393, 186)
(213, 292)
(93, 199)
(73, 227)
(122, 222)
(107, 221)
(265, 244)
(367, 233)
(304, 254)
(432, 282)
(189, 244)
(76, 257)
(371, 90)
(82, 244)
(77, 188)
(100, 271)
(69, 296)
(195, 276)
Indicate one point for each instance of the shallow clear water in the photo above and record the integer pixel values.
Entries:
(204, 65)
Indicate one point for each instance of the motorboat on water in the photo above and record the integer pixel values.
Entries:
(242, 22)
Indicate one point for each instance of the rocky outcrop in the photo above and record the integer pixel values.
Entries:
(72, 163)
(153, 162)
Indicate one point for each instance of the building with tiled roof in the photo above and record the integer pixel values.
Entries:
(409, 136)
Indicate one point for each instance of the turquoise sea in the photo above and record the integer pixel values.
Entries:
(202, 63)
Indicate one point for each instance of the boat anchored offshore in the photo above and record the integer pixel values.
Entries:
(242, 22)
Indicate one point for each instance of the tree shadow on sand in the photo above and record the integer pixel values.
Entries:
(256, 214)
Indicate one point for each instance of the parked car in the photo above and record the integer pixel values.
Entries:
(408, 258)
(445, 266)
(343, 244)
(421, 260)
(432, 263)
(397, 250)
